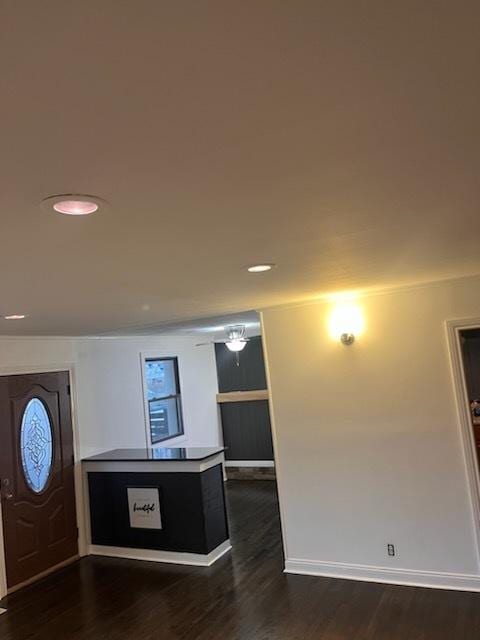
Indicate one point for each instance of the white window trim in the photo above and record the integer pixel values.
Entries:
(169, 442)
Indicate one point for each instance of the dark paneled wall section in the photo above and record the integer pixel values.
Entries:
(249, 375)
(246, 425)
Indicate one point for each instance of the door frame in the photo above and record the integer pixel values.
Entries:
(472, 465)
(77, 474)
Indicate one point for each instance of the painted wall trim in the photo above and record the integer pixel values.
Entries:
(3, 568)
(453, 328)
(242, 396)
(170, 557)
(276, 457)
(387, 575)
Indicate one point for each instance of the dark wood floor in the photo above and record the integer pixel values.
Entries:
(243, 596)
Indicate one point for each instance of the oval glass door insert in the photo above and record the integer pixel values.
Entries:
(36, 445)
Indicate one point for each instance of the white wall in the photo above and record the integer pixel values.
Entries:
(34, 354)
(108, 384)
(110, 398)
(368, 442)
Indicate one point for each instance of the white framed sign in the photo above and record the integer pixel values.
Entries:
(144, 508)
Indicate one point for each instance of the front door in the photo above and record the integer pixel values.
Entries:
(36, 475)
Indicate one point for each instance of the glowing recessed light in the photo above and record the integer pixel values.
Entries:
(259, 268)
(73, 204)
(15, 316)
(75, 207)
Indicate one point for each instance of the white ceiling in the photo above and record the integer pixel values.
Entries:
(338, 139)
(211, 328)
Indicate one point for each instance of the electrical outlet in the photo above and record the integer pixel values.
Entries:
(391, 549)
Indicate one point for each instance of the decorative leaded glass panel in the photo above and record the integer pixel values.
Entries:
(36, 445)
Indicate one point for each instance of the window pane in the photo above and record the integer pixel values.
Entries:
(161, 379)
(163, 398)
(164, 419)
(36, 445)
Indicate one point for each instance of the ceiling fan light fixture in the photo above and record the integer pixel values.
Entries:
(236, 345)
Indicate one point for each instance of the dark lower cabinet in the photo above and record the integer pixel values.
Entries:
(192, 507)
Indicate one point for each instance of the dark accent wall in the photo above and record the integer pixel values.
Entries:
(246, 426)
(246, 430)
(471, 361)
(249, 375)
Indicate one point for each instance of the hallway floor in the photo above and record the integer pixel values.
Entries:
(244, 596)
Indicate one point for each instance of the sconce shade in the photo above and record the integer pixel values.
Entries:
(236, 345)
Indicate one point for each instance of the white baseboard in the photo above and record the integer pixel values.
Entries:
(170, 557)
(369, 573)
(249, 463)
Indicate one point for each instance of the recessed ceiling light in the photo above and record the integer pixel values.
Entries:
(75, 207)
(73, 204)
(259, 268)
(15, 316)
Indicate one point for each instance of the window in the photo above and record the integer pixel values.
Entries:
(36, 445)
(164, 409)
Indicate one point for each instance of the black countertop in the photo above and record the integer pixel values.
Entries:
(175, 454)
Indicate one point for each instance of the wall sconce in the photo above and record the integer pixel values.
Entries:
(347, 338)
(346, 322)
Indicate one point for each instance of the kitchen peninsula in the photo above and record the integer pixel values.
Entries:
(157, 504)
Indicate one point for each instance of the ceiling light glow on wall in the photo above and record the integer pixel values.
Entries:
(73, 204)
(260, 268)
(346, 322)
(15, 316)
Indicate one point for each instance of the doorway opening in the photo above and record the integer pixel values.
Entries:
(463, 337)
(244, 411)
(470, 347)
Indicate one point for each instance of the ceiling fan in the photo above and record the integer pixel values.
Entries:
(235, 341)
